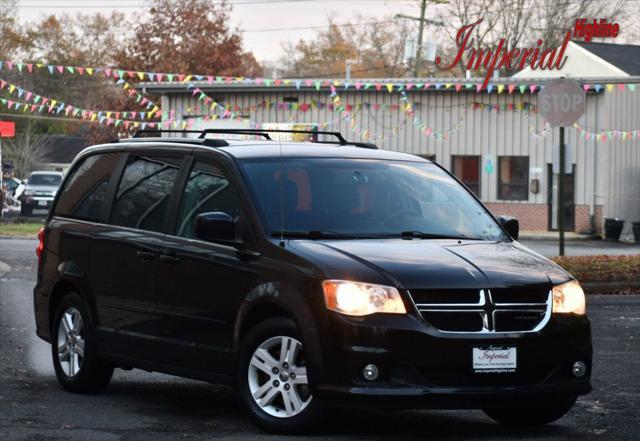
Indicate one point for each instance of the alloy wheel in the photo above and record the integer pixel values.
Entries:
(278, 377)
(71, 342)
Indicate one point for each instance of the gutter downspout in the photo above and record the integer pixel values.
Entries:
(592, 208)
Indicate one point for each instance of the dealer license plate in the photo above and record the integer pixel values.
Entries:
(42, 203)
(494, 359)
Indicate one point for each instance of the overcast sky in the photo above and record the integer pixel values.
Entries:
(266, 23)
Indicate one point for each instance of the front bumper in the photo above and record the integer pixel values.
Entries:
(37, 202)
(422, 367)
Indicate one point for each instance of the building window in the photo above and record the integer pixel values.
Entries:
(467, 169)
(513, 178)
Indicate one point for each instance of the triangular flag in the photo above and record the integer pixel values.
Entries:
(522, 88)
(610, 87)
(511, 88)
(458, 87)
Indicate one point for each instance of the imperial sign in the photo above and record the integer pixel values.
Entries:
(561, 102)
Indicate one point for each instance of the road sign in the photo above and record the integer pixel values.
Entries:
(561, 102)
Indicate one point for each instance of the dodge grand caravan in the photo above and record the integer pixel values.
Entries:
(307, 275)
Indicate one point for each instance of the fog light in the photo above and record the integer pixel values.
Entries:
(579, 369)
(370, 372)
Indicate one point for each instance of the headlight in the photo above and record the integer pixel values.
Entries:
(569, 298)
(358, 299)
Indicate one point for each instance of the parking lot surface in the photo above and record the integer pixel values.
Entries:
(143, 406)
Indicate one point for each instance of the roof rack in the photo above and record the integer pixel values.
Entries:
(261, 132)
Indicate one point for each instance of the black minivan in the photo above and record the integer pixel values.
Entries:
(307, 275)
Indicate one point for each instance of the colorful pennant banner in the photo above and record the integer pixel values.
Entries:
(370, 84)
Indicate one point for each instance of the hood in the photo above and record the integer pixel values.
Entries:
(432, 264)
(42, 188)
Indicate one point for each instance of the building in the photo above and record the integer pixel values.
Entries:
(493, 140)
(56, 152)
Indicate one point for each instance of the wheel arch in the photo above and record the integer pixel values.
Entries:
(279, 300)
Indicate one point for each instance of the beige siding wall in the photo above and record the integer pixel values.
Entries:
(481, 132)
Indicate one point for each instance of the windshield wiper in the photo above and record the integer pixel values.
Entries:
(421, 235)
(313, 234)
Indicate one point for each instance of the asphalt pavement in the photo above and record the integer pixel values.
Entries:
(143, 406)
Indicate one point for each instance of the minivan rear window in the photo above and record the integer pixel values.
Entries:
(83, 195)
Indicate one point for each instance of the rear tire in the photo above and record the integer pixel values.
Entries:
(531, 416)
(73, 348)
(272, 378)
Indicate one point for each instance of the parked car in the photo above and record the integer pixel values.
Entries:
(307, 275)
(39, 192)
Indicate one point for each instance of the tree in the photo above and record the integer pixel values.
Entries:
(376, 47)
(10, 37)
(24, 149)
(188, 36)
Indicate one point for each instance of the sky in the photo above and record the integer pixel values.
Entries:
(266, 24)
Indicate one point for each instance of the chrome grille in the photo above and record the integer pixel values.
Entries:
(485, 310)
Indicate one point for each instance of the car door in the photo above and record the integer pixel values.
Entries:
(124, 254)
(201, 284)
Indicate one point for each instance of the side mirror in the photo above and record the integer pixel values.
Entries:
(511, 225)
(215, 227)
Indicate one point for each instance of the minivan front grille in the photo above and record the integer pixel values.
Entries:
(485, 310)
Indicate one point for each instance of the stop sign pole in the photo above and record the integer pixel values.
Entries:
(561, 102)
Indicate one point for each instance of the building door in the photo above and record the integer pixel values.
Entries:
(569, 202)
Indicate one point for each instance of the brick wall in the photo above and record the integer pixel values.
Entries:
(532, 217)
(583, 219)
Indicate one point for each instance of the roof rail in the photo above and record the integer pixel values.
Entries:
(155, 132)
(262, 132)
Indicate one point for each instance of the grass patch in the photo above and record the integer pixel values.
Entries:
(598, 269)
(20, 229)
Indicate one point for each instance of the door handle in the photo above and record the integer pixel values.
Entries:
(169, 258)
(146, 255)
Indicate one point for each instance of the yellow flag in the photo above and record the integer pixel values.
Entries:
(89, 70)
(500, 88)
(610, 87)
(390, 87)
(447, 86)
(11, 88)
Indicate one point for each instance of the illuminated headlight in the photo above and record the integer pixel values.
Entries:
(358, 299)
(569, 298)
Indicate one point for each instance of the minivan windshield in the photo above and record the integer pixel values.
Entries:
(351, 198)
(45, 179)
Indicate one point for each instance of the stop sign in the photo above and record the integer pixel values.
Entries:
(561, 102)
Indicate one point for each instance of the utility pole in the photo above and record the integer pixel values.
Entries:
(421, 22)
(423, 9)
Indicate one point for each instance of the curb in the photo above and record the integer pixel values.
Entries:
(597, 287)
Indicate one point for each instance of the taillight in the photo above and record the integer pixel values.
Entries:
(40, 247)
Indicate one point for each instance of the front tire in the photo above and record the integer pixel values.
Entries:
(75, 360)
(532, 416)
(272, 378)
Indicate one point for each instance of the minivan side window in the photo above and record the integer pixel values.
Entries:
(143, 193)
(206, 190)
(83, 195)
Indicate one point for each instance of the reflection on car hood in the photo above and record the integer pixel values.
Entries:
(432, 263)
